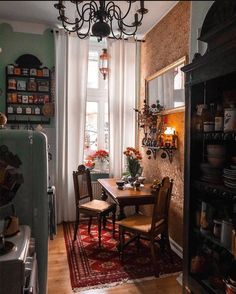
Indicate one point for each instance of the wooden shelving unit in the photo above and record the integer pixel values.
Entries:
(210, 78)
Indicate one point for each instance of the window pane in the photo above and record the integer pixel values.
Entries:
(93, 70)
(91, 129)
(106, 127)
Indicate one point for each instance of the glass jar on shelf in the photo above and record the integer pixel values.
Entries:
(208, 119)
(219, 118)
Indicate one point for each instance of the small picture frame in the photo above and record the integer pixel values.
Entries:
(39, 72)
(41, 99)
(9, 98)
(46, 99)
(17, 71)
(19, 110)
(36, 99)
(11, 84)
(33, 72)
(45, 72)
(10, 69)
(19, 98)
(37, 110)
(25, 71)
(31, 85)
(21, 85)
(14, 97)
(10, 109)
(28, 110)
(30, 99)
(43, 86)
(25, 99)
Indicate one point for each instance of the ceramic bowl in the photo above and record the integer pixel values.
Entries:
(216, 162)
(216, 150)
(233, 159)
(141, 180)
(120, 184)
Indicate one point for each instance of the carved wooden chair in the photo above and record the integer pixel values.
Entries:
(149, 227)
(93, 207)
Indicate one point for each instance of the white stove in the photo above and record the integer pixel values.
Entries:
(18, 267)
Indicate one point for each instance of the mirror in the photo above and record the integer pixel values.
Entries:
(167, 86)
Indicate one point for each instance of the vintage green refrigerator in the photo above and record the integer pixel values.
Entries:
(31, 200)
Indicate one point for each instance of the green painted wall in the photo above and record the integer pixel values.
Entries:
(15, 44)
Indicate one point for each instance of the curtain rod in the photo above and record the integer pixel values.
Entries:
(126, 39)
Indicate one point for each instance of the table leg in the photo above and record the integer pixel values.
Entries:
(121, 214)
(104, 195)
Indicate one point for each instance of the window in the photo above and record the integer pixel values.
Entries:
(93, 70)
(97, 123)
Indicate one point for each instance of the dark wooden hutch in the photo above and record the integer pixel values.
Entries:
(210, 179)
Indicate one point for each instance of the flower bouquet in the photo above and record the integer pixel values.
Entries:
(99, 159)
(89, 164)
(133, 157)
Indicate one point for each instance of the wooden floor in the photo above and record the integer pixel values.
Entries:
(59, 279)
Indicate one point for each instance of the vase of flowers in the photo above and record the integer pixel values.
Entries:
(133, 157)
(100, 159)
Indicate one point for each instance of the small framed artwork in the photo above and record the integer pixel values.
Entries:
(19, 110)
(36, 99)
(28, 110)
(21, 85)
(19, 98)
(10, 69)
(46, 98)
(45, 72)
(30, 99)
(41, 99)
(12, 84)
(43, 86)
(39, 72)
(17, 71)
(14, 97)
(32, 85)
(9, 98)
(10, 109)
(33, 72)
(37, 110)
(25, 99)
(25, 71)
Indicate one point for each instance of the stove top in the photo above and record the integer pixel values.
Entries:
(19, 245)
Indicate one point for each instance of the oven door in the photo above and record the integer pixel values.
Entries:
(31, 276)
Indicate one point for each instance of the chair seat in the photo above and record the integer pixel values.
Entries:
(96, 205)
(139, 222)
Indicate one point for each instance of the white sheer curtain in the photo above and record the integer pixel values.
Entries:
(122, 101)
(71, 86)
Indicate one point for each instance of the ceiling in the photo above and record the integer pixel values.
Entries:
(44, 12)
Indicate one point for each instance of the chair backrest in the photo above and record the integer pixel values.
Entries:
(162, 202)
(82, 184)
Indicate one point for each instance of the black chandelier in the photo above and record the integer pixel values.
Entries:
(102, 18)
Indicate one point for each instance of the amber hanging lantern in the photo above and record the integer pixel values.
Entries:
(103, 67)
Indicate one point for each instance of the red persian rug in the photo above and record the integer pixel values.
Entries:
(94, 267)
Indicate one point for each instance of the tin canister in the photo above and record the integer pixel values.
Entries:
(230, 120)
(226, 234)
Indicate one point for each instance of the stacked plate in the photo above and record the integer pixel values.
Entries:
(230, 177)
(211, 174)
(216, 155)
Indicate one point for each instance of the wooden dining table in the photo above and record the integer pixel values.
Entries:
(126, 197)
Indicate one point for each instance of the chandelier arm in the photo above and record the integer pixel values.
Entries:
(112, 32)
(91, 14)
(84, 35)
(92, 4)
(67, 29)
(114, 7)
(134, 24)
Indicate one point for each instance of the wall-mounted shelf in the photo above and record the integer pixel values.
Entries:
(166, 151)
(28, 91)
